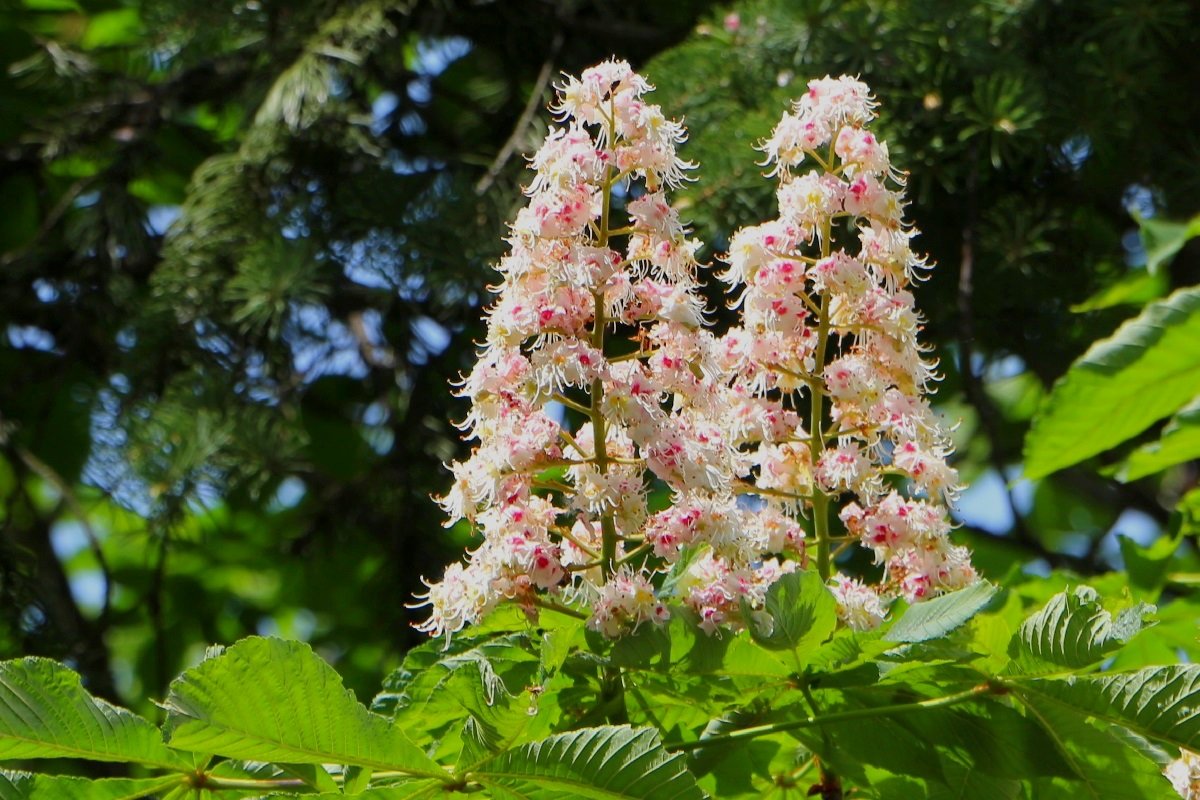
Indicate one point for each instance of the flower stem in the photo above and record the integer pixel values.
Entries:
(608, 528)
(816, 442)
(558, 608)
(612, 685)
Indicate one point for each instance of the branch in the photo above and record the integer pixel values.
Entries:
(837, 716)
(127, 114)
(51, 476)
(531, 107)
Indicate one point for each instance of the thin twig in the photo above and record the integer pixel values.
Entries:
(531, 107)
(831, 718)
(49, 474)
(49, 221)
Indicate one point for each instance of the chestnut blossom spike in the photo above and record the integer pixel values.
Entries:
(829, 324)
(562, 507)
(813, 406)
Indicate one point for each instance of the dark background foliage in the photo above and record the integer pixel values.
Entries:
(244, 247)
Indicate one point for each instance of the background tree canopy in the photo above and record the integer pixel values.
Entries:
(244, 247)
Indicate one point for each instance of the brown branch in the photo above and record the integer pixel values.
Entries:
(523, 122)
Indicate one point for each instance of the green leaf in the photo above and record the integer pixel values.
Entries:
(435, 690)
(273, 700)
(51, 5)
(1147, 567)
(1186, 518)
(802, 610)
(647, 647)
(1135, 289)
(695, 652)
(28, 786)
(1123, 384)
(884, 742)
(1017, 397)
(606, 763)
(964, 783)
(1180, 441)
(357, 780)
(748, 769)
(1074, 630)
(313, 775)
(1164, 238)
(1103, 766)
(1159, 703)
(937, 617)
(46, 713)
(112, 29)
(990, 737)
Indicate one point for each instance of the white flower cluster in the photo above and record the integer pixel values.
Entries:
(827, 316)
(605, 319)
(1184, 774)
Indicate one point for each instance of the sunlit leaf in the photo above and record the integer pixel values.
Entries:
(802, 611)
(1164, 238)
(29, 786)
(274, 700)
(1160, 703)
(1075, 630)
(605, 763)
(1180, 442)
(46, 713)
(1146, 370)
(939, 616)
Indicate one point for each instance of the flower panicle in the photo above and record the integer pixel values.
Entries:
(600, 378)
(829, 321)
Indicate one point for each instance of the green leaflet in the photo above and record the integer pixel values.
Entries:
(939, 616)
(46, 713)
(1074, 630)
(1158, 703)
(803, 613)
(1137, 288)
(964, 783)
(1186, 519)
(1180, 441)
(272, 700)
(1123, 384)
(695, 652)
(27, 786)
(1147, 566)
(435, 691)
(115, 28)
(1103, 767)
(1164, 238)
(606, 763)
